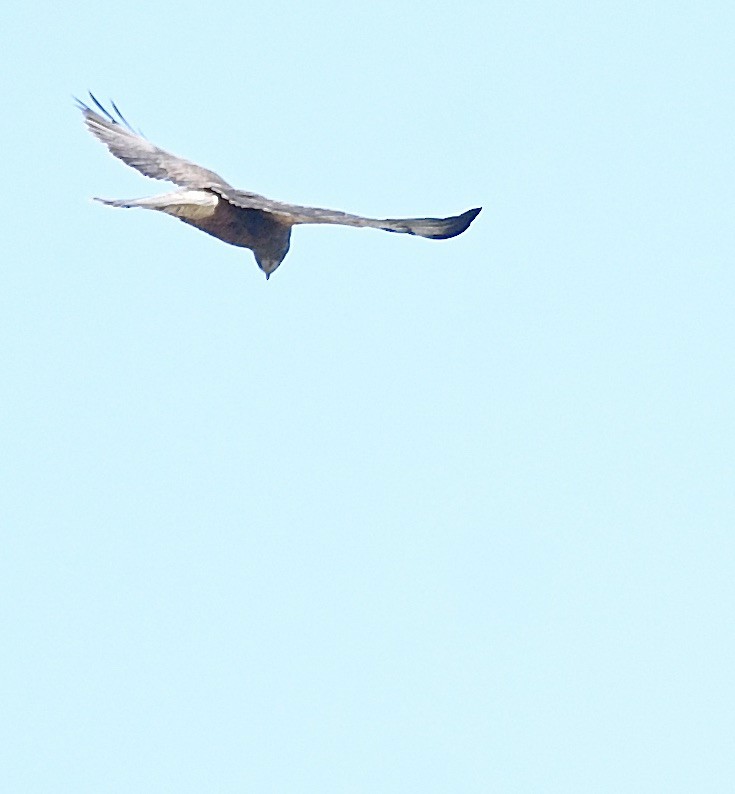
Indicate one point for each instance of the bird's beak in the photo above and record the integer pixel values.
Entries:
(267, 276)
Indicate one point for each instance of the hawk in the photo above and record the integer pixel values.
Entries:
(237, 217)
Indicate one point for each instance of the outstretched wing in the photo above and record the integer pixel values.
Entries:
(134, 150)
(291, 214)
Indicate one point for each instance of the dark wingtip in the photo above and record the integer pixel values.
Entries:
(466, 218)
(469, 216)
(118, 119)
(102, 108)
(458, 224)
(83, 106)
(121, 117)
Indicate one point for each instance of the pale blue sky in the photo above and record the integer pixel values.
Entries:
(412, 516)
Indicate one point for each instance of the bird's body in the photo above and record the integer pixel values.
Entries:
(237, 217)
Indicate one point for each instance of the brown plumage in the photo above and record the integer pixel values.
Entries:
(237, 217)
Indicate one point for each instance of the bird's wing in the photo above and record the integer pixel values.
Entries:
(139, 153)
(291, 214)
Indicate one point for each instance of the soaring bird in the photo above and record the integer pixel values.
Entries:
(238, 217)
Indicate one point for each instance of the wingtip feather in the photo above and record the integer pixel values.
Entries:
(457, 225)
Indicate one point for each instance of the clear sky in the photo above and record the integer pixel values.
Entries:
(412, 516)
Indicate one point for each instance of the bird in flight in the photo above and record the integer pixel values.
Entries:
(238, 217)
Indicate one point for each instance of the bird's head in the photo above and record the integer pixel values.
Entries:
(268, 264)
(270, 258)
